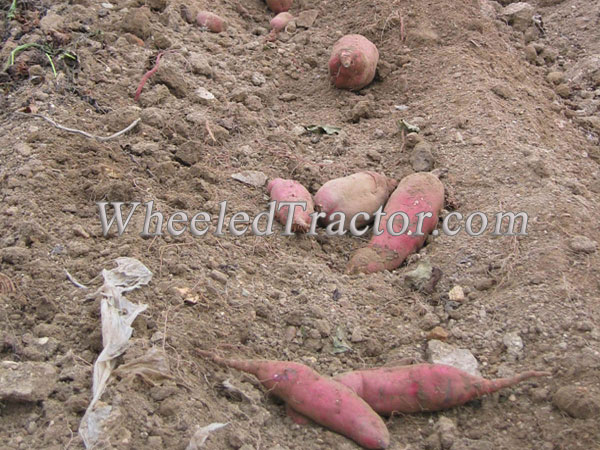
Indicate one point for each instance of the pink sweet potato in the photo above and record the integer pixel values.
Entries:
(417, 193)
(423, 387)
(353, 62)
(280, 21)
(278, 6)
(211, 22)
(308, 394)
(291, 191)
(359, 192)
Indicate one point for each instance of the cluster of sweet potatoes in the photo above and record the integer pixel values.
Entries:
(410, 213)
(353, 60)
(350, 403)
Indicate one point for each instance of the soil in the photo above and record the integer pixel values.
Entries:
(511, 112)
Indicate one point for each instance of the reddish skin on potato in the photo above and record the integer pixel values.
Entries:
(279, 6)
(359, 192)
(423, 387)
(417, 193)
(308, 394)
(353, 62)
(278, 24)
(211, 22)
(291, 191)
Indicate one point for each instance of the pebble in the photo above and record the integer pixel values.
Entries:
(513, 343)
(438, 333)
(583, 244)
(251, 177)
(519, 15)
(258, 79)
(307, 18)
(457, 294)
(357, 335)
(219, 276)
(577, 401)
(26, 381)
(422, 159)
(440, 353)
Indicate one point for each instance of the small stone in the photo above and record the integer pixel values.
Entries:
(306, 18)
(203, 96)
(288, 97)
(438, 333)
(258, 79)
(253, 103)
(564, 90)
(418, 278)
(539, 395)
(219, 276)
(457, 294)
(503, 91)
(251, 177)
(422, 157)
(583, 244)
(378, 133)
(484, 284)
(361, 110)
(440, 353)
(519, 15)
(513, 343)
(357, 335)
(323, 327)
(26, 381)
(429, 321)
(577, 401)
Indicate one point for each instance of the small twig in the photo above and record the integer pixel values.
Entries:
(83, 133)
(74, 281)
(402, 35)
(210, 133)
(147, 76)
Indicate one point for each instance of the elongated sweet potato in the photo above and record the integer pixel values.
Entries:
(423, 387)
(353, 62)
(278, 6)
(291, 191)
(211, 22)
(417, 193)
(319, 398)
(359, 192)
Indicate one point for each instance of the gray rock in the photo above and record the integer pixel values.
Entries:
(441, 353)
(513, 343)
(306, 18)
(583, 244)
(518, 15)
(422, 157)
(26, 381)
(251, 177)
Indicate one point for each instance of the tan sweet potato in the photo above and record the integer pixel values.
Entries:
(211, 22)
(423, 387)
(417, 193)
(278, 6)
(360, 192)
(308, 394)
(291, 191)
(353, 62)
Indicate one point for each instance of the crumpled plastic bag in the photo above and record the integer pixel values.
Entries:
(117, 316)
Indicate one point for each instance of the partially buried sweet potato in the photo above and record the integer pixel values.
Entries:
(363, 192)
(211, 22)
(282, 190)
(353, 62)
(279, 6)
(417, 193)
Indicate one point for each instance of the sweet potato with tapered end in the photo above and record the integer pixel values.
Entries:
(308, 394)
(423, 387)
(211, 22)
(278, 6)
(359, 192)
(353, 62)
(415, 194)
(282, 190)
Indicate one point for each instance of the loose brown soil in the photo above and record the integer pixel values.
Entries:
(478, 89)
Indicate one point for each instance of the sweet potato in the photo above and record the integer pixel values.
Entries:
(359, 192)
(291, 191)
(278, 24)
(278, 6)
(423, 387)
(417, 193)
(353, 62)
(308, 394)
(211, 22)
